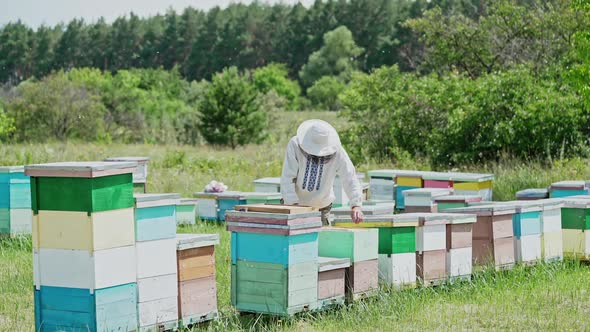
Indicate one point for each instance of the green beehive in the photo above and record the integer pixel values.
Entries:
(354, 244)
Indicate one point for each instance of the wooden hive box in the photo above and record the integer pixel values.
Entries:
(493, 236)
(422, 200)
(207, 206)
(459, 257)
(15, 188)
(75, 309)
(431, 247)
(155, 216)
(268, 185)
(575, 222)
(532, 194)
(262, 198)
(552, 236)
(568, 188)
(455, 201)
(381, 185)
(140, 174)
(92, 186)
(197, 288)
(527, 228)
(274, 258)
(331, 281)
(186, 211)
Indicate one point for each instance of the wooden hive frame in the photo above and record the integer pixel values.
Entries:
(331, 281)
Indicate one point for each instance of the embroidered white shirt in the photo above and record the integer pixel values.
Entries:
(309, 180)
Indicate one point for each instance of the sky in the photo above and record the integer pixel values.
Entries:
(51, 12)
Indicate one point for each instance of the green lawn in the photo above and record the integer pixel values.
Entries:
(548, 297)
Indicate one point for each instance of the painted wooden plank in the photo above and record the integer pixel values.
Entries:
(332, 263)
(397, 240)
(552, 246)
(91, 169)
(459, 236)
(155, 288)
(502, 226)
(20, 195)
(573, 218)
(272, 208)
(431, 265)
(504, 251)
(82, 194)
(21, 221)
(78, 231)
(155, 223)
(155, 258)
(195, 257)
(83, 269)
(362, 276)
(409, 181)
(158, 312)
(576, 243)
(443, 184)
(331, 283)
(398, 269)
(354, 244)
(551, 220)
(472, 186)
(527, 223)
(483, 251)
(527, 248)
(196, 272)
(189, 241)
(197, 297)
(286, 250)
(459, 262)
(431, 237)
(421, 209)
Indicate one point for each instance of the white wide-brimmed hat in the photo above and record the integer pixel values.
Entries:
(318, 138)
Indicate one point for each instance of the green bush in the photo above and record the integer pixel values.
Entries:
(6, 124)
(324, 93)
(274, 77)
(231, 112)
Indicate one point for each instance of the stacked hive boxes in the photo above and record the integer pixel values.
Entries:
(569, 188)
(197, 290)
(532, 194)
(423, 199)
(396, 248)
(431, 247)
(207, 205)
(84, 259)
(406, 180)
(268, 185)
(455, 201)
(527, 228)
(473, 184)
(575, 223)
(361, 247)
(157, 285)
(274, 255)
(493, 236)
(16, 215)
(331, 281)
(552, 237)
(186, 211)
(460, 246)
(140, 174)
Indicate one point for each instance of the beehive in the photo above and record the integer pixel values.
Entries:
(381, 185)
(575, 223)
(423, 200)
(473, 184)
(84, 257)
(268, 185)
(532, 194)
(459, 259)
(431, 242)
(396, 246)
(527, 228)
(274, 259)
(331, 281)
(207, 206)
(406, 180)
(186, 211)
(197, 290)
(493, 236)
(16, 215)
(437, 180)
(140, 174)
(455, 201)
(157, 285)
(552, 235)
(227, 201)
(569, 188)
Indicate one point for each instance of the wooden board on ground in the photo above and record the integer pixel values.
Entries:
(275, 208)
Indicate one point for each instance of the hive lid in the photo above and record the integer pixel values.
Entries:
(136, 159)
(576, 202)
(88, 169)
(569, 185)
(275, 180)
(426, 192)
(381, 173)
(189, 241)
(153, 200)
(458, 199)
(376, 221)
(12, 169)
(332, 263)
(457, 218)
(533, 192)
(275, 208)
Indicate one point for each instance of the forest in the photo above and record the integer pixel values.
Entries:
(452, 81)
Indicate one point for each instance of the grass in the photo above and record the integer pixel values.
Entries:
(546, 297)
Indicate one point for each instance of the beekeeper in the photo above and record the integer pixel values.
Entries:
(313, 160)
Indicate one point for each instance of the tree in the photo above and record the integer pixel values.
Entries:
(324, 93)
(274, 78)
(337, 57)
(6, 124)
(231, 113)
(15, 42)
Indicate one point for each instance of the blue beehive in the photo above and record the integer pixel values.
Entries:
(15, 201)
